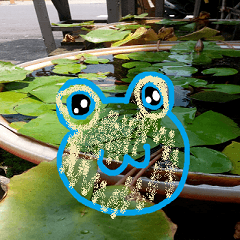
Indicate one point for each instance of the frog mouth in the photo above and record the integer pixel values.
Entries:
(126, 160)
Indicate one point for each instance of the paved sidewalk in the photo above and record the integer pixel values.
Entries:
(21, 38)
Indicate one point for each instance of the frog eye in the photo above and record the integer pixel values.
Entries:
(151, 97)
(80, 105)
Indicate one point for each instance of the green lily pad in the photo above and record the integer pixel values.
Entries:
(105, 35)
(232, 22)
(122, 56)
(17, 125)
(205, 32)
(149, 56)
(68, 68)
(131, 27)
(137, 70)
(190, 27)
(40, 198)
(130, 16)
(184, 52)
(10, 73)
(47, 92)
(137, 34)
(91, 59)
(185, 82)
(127, 80)
(16, 86)
(220, 71)
(226, 88)
(212, 96)
(45, 128)
(232, 151)
(73, 25)
(115, 88)
(168, 64)
(206, 160)
(93, 76)
(62, 61)
(136, 64)
(170, 22)
(179, 71)
(9, 100)
(41, 81)
(32, 107)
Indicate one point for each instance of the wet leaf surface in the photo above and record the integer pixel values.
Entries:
(149, 56)
(232, 151)
(225, 88)
(10, 72)
(206, 160)
(8, 101)
(105, 35)
(69, 68)
(220, 71)
(38, 204)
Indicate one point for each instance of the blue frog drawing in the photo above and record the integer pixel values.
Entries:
(105, 135)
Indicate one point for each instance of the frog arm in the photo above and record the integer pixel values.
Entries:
(126, 160)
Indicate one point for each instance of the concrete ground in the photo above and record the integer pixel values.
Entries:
(21, 38)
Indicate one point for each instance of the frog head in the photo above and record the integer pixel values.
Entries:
(111, 137)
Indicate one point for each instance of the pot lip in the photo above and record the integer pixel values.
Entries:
(48, 152)
(165, 45)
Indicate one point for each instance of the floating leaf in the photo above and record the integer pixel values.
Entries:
(32, 107)
(205, 32)
(127, 80)
(45, 128)
(115, 88)
(179, 71)
(137, 34)
(232, 151)
(62, 61)
(122, 56)
(17, 86)
(131, 27)
(220, 71)
(136, 64)
(188, 27)
(8, 100)
(93, 76)
(47, 93)
(91, 59)
(226, 88)
(143, 15)
(73, 25)
(186, 81)
(214, 128)
(138, 70)
(17, 125)
(231, 22)
(41, 81)
(206, 160)
(149, 56)
(170, 22)
(168, 64)
(212, 96)
(105, 35)
(68, 68)
(9, 72)
(184, 52)
(40, 198)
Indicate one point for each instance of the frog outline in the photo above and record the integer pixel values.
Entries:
(133, 87)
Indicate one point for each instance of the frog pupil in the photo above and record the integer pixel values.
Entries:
(80, 104)
(152, 96)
